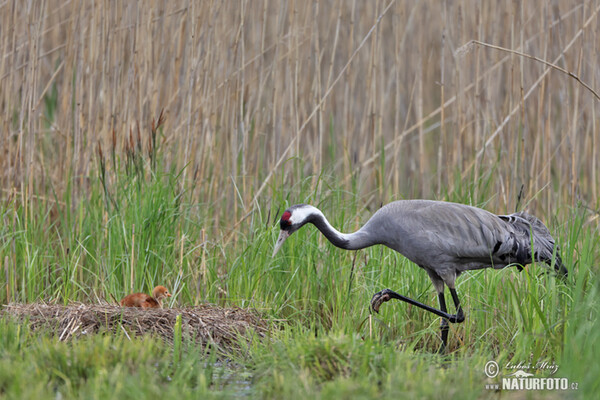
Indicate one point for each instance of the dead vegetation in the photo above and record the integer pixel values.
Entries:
(205, 324)
(387, 93)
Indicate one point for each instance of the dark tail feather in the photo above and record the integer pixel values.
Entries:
(543, 242)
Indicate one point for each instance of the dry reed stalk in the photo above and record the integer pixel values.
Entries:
(132, 261)
(488, 74)
(7, 277)
(531, 90)
(248, 86)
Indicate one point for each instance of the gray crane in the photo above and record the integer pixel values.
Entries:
(443, 238)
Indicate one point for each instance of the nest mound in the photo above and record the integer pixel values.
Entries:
(205, 324)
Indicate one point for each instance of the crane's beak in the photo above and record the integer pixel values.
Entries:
(282, 236)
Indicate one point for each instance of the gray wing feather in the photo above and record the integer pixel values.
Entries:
(436, 234)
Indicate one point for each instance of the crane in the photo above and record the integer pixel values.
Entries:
(443, 238)
(144, 301)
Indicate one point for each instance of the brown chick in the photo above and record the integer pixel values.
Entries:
(144, 301)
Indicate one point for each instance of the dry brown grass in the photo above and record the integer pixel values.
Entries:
(206, 324)
(247, 85)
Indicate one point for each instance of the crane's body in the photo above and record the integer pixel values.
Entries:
(443, 238)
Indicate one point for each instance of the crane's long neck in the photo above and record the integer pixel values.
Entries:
(349, 241)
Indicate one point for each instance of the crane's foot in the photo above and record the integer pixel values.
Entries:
(444, 330)
(379, 298)
(442, 349)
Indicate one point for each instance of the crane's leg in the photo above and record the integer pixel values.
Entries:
(444, 328)
(460, 316)
(386, 295)
(438, 282)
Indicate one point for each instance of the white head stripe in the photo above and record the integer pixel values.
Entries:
(301, 213)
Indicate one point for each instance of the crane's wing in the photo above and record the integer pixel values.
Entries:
(435, 233)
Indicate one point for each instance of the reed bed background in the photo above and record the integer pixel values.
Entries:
(386, 96)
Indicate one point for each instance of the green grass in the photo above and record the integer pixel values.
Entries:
(137, 229)
(35, 365)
